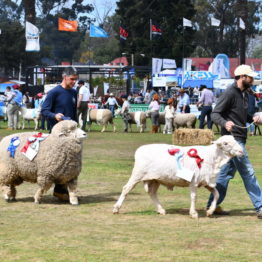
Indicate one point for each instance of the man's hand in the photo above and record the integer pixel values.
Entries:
(229, 125)
(59, 116)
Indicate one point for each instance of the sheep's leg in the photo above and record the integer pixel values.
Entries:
(126, 189)
(152, 191)
(71, 186)
(114, 127)
(104, 128)
(9, 192)
(36, 124)
(39, 193)
(213, 205)
(193, 213)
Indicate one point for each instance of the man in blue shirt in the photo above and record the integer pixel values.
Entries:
(184, 101)
(60, 104)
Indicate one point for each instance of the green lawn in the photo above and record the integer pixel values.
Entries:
(55, 231)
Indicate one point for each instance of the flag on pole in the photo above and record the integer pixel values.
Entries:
(66, 25)
(155, 30)
(96, 31)
(242, 24)
(123, 33)
(187, 22)
(32, 38)
(215, 22)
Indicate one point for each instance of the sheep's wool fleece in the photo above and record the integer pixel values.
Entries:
(58, 160)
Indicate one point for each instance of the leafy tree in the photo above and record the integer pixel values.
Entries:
(135, 15)
(225, 38)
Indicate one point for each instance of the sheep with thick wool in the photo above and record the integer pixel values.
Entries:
(184, 120)
(58, 160)
(154, 166)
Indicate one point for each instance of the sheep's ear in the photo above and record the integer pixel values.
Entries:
(61, 134)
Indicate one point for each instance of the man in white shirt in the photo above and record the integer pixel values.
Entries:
(111, 101)
(82, 103)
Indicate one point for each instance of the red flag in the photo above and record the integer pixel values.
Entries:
(123, 33)
(66, 25)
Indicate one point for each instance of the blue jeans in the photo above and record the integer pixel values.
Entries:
(245, 169)
(112, 109)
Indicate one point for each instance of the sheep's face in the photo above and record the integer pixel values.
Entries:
(229, 146)
(68, 128)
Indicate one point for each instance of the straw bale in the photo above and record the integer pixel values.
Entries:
(186, 136)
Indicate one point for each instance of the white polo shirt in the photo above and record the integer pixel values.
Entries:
(85, 92)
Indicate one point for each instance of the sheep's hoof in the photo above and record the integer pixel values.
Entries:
(162, 212)
(194, 215)
(116, 210)
(74, 201)
(37, 202)
(209, 213)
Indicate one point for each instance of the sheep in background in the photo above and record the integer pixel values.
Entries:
(58, 160)
(184, 120)
(101, 117)
(155, 166)
(30, 114)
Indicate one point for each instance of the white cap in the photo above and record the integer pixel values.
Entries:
(111, 94)
(245, 70)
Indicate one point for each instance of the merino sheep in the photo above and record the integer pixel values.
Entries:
(154, 166)
(58, 160)
(184, 120)
(260, 117)
(101, 117)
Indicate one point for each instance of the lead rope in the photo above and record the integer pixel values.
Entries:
(243, 127)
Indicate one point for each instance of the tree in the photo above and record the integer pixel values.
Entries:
(135, 16)
(227, 37)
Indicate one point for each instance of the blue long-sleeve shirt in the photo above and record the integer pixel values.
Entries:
(60, 100)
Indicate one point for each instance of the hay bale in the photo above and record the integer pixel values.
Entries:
(186, 136)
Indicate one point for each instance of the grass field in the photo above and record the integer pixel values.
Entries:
(55, 231)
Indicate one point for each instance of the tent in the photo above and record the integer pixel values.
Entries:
(197, 83)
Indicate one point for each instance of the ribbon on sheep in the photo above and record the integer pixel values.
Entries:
(182, 172)
(193, 153)
(14, 143)
(31, 147)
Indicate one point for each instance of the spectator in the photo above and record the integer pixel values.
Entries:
(154, 107)
(184, 101)
(125, 112)
(206, 100)
(169, 116)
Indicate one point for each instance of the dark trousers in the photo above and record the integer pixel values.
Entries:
(83, 109)
(205, 112)
(187, 110)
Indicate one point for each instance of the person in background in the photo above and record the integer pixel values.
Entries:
(82, 104)
(206, 100)
(169, 116)
(184, 101)
(147, 97)
(60, 104)
(154, 107)
(80, 84)
(9, 95)
(111, 101)
(231, 113)
(125, 112)
(13, 107)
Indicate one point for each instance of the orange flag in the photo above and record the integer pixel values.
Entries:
(65, 25)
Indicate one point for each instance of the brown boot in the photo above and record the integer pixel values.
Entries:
(156, 129)
(153, 129)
